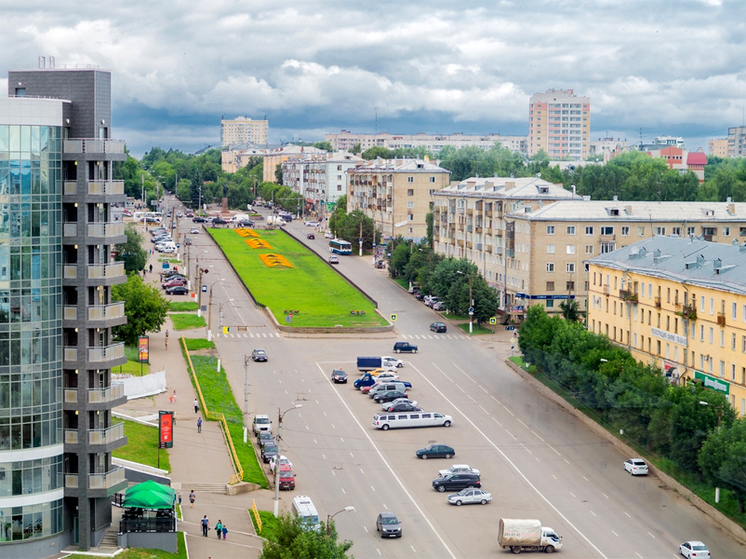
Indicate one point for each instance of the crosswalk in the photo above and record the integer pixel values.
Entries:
(238, 335)
(433, 337)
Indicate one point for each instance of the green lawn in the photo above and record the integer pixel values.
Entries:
(322, 297)
(269, 524)
(177, 306)
(193, 344)
(142, 446)
(139, 553)
(475, 329)
(132, 366)
(187, 321)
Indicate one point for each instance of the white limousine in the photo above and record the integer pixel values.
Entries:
(400, 420)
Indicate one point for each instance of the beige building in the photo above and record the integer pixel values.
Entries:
(234, 159)
(559, 122)
(346, 140)
(396, 194)
(277, 156)
(679, 304)
(718, 147)
(737, 141)
(243, 130)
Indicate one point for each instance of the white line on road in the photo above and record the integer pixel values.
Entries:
(585, 478)
(352, 454)
(471, 398)
(566, 460)
(361, 471)
(484, 410)
(651, 535)
(550, 446)
(341, 439)
(537, 435)
(334, 473)
(593, 513)
(496, 421)
(640, 556)
(413, 549)
(483, 389)
(625, 512)
(365, 528)
(373, 488)
(554, 476)
(605, 495)
(511, 434)
(379, 551)
(495, 399)
(461, 389)
(510, 412)
(314, 441)
(324, 457)
(343, 490)
(526, 449)
(333, 427)
(613, 532)
(573, 495)
(522, 423)
(465, 374)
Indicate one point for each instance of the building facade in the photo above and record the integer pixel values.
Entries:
(396, 194)
(346, 141)
(243, 130)
(559, 122)
(56, 312)
(679, 304)
(717, 147)
(737, 141)
(681, 160)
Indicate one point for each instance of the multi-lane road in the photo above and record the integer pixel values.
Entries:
(535, 459)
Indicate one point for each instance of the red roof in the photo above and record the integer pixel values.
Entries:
(696, 158)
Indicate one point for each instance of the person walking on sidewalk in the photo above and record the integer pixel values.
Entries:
(205, 525)
(150, 269)
(192, 498)
(219, 528)
(225, 531)
(199, 425)
(196, 406)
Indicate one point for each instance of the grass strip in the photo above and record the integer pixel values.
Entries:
(142, 446)
(140, 553)
(219, 398)
(187, 321)
(194, 344)
(321, 297)
(269, 525)
(183, 306)
(477, 330)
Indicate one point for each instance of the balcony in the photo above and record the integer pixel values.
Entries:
(106, 230)
(721, 319)
(510, 253)
(687, 311)
(101, 271)
(71, 395)
(104, 395)
(70, 312)
(106, 436)
(657, 302)
(69, 188)
(479, 246)
(469, 228)
(71, 437)
(105, 188)
(479, 228)
(70, 271)
(605, 288)
(94, 145)
(107, 480)
(105, 312)
(70, 230)
(108, 353)
(70, 353)
(460, 242)
(71, 481)
(628, 296)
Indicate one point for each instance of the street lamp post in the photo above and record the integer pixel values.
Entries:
(220, 333)
(209, 311)
(246, 360)
(199, 271)
(330, 516)
(471, 301)
(280, 415)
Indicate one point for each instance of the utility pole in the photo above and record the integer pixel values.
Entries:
(246, 360)
(144, 203)
(361, 236)
(220, 334)
(280, 415)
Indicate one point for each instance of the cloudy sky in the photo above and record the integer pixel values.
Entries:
(313, 67)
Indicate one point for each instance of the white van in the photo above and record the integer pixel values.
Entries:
(400, 420)
(303, 508)
(386, 386)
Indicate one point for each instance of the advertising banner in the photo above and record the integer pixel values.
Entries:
(143, 349)
(165, 429)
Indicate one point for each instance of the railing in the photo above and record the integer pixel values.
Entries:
(71, 437)
(70, 313)
(721, 319)
(70, 353)
(113, 229)
(164, 524)
(70, 229)
(106, 436)
(106, 312)
(101, 188)
(479, 246)
(70, 271)
(103, 395)
(71, 395)
(100, 271)
(70, 188)
(71, 481)
(108, 353)
(629, 296)
(93, 145)
(689, 312)
(104, 481)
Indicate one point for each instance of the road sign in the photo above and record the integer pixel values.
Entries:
(471, 310)
(204, 289)
(178, 245)
(393, 318)
(493, 320)
(510, 327)
(165, 265)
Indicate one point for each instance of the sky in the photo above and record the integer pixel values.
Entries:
(650, 68)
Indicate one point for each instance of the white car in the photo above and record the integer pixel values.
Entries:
(387, 405)
(386, 375)
(328, 235)
(283, 462)
(694, 550)
(390, 362)
(312, 224)
(636, 467)
(458, 469)
(470, 496)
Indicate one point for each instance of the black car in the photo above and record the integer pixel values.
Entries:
(177, 290)
(311, 236)
(339, 376)
(245, 223)
(435, 451)
(268, 451)
(438, 327)
(403, 406)
(388, 396)
(405, 346)
(259, 355)
(418, 295)
(199, 219)
(458, 481)
(218, 221)
(265, 437)
(172, 274)
(388, 525)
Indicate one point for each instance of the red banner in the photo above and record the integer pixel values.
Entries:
(143, 349)
(165, 429)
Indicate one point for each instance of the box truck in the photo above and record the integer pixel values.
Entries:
(521, 534)
(370, 363)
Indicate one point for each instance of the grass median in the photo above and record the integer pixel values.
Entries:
(142, 446)
(315, 294)
(219, 398)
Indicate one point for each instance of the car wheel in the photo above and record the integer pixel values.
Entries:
(516, 549)
(385, 427)
(458, 503)
(447, 424)
(424, 456)
(441, 488)
(448, 456)
(549, 549)
(398, 351)
(483, 502)
(415, 351)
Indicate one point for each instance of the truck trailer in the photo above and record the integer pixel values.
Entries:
(522, 534)
(370, 363)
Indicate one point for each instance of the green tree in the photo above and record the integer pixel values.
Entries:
(131, 252)
(357, 148)
(144, 307)
(399, 260)
(278, 173)
(723, 460)
(293, 542)
(325, 145)
(377, 151)
(570, 310)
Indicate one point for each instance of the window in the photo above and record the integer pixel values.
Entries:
(550, 303)
(550, 286)
(550, 249)
(589, 249)
(410, 192)
(607, 230)
(625, 231)
(570, 229)
(570, 285)
(570, 267)
(589, 231)
(410, 217)
(676, 231)
(410, 204)
(550, 267)
(640, 231)
(726, 231)
(410, 179)
(550, 229)
(432, 179)
(661, 231)
(570, 249)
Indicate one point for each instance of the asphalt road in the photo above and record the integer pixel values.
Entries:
(535, 459)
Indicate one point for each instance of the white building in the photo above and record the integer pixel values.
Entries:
(242, 130)
(346, 140)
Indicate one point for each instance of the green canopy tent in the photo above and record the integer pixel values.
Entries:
(149, 495)
(151, 485)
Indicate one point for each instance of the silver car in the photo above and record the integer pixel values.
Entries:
(470, 496)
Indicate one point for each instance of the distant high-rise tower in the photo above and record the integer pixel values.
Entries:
(243, 130)
(559, 122)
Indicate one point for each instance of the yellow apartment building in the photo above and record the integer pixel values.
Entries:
(679, 304)
(242, 130)
(559, 122)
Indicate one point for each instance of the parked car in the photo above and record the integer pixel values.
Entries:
(265, 437)
(694, 549)
(312, 224)
(261, 423)
(401, 406)
(439, 306)
(435, 451)
(387, 375)
(388, 525)
(311, 236)
(399, 401)
(636, 467)
(177, 290)
(328, 235)
(381, 370)
(188, 241)
(339, 376)
(172, 283)
(199, 219)
(419, 296)
(286, 478)
(334, 259)
(456, 482)
(458, 468)
(259, 355)
(269, 451)
(405, 346)
(470, 496)
(171, 273)
(283, 461)
(439, 327)
(194, 231)
(388, 396)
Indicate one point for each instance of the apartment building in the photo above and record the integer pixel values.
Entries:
(243, 130)
(321, 178)
(277, 156)
(396, 194)
(679, 304)
(559, 122)
(681, 160)
(56, 311)
(717, 147)
(346, 140)
(737, 141)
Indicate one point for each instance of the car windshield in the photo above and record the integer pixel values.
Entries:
(270, 447)
(389, 520)
(262, 420)
(699, 547)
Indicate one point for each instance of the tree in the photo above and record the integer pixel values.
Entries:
(723, 460)
(570, 310)
(293, 542)
(399, 260)
(131, 252)
(144, 307)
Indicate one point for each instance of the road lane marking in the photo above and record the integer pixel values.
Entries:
(550, 446)
(605, 495)
(593, 513)
(461, 389)
(442, 372)
(526, 449)
(484, 410)
(413, 549)
(341, 439)
(566, 460)
(511, 434)
(585, 478)
(361, 471)
(640, 556)
(343, 490)
(334, 473)
(465, 373)
(472, 399)
(365, 528)
(573, 495)
(332, 424)
(323, 456)
(373, 488)
(507, 410)
(554, 476)
(483, 389)
(537, 435)
(324, 413)
(496, 421)
(314, 441)
(513, 464)
(613, 532)
(652, 536)
(495, 399)
(625, 512)
(352, 454)
(379, 551)
(522, 423)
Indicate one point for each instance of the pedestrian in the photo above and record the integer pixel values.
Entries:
(199, 425)
(219, 528)
(173, 397)
(205, 525)
(192, 498)
(150, 269)
(180, 495)
(144, 272)
(196, 406)
(225, 531)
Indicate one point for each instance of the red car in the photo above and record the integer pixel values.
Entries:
(172, 283)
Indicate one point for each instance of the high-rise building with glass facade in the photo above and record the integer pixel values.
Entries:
(56, 312)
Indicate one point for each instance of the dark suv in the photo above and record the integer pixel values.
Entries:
(456, 482)
(389, 396)
(405, 346)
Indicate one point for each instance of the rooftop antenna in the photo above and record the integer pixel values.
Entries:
(376, 109)
(641, 138)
